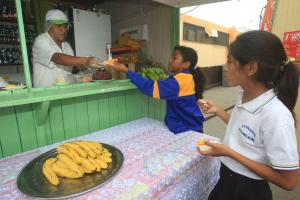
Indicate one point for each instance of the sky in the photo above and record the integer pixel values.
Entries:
(241, 14)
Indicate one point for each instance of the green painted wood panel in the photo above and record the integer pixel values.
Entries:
(151, 108)
(10, 138)
(130, 105)
(162, 110)
(157, 104)
(56, 122)
(26, 128)
(81, 114)
(144, 105)
(103, 105)
(69, 120)
(122, 107)
(136, 110)
(71, 117)
(48, 132)
(113, 109)
(93, 112)
(41, 135)
(1, 152)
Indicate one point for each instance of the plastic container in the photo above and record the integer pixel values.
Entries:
(80, 78)
(3, 83)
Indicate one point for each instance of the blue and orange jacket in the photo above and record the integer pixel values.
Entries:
(182, 111)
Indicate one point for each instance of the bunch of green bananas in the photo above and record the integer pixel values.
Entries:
(75, 159)
(154, 73)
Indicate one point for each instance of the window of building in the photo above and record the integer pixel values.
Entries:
(197, 34)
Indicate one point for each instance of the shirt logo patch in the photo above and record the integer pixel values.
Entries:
(247, 132)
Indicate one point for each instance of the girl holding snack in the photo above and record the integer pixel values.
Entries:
(260, 140)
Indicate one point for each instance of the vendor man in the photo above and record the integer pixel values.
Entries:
(53, 57)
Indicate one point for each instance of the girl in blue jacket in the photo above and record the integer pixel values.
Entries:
(181, 90)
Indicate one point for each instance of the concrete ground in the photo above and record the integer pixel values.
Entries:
(226, 97)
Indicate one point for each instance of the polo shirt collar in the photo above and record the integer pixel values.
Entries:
(256, 104)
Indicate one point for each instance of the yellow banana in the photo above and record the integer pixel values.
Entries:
(106, 154)
(61, 164)
(105, 159)
(70, 164)
(92, 160)
(87, 164)
(101, 163)
(49, 172)
(76, 148)
(85, 170)
(87, 149)
(69, 152)
(97, 146)
(92, 147)
(64, 172)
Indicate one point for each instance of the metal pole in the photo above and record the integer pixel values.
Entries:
(23, 43)
(176, 26)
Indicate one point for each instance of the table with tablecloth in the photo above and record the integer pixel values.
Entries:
(157, 164)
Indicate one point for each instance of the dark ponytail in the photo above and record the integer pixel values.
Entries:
(274, 69)
(286, 85)
(189, 54)
(199, 80)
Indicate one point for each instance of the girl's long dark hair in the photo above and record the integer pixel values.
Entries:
(189, 54)
(274, 68)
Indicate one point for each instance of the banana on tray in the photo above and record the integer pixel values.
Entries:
(49, 172)
(75, 159)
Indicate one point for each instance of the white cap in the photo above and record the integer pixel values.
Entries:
(56, 15)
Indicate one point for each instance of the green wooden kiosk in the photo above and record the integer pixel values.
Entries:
(35, 117)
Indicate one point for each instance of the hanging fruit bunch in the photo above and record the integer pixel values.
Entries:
(126, 41)
(154, 73)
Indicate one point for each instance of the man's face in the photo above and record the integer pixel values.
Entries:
(59, 32)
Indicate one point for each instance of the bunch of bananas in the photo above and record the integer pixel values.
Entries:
(76, 158)
(154, 73)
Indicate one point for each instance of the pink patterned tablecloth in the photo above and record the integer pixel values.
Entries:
(157, 165)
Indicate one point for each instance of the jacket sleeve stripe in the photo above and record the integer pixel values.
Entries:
(156, 94)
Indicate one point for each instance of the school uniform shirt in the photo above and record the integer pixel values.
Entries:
(45, 71)
(182, 111)
(262, 130)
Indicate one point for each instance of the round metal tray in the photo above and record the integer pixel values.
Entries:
(32, 182)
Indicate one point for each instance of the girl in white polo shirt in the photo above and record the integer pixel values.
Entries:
(260, 143)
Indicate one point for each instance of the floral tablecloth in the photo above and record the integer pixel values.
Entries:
(157, 165)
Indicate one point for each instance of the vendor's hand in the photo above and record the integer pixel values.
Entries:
(208, 106)
(117, 66)
(91, 61)
(217, 149)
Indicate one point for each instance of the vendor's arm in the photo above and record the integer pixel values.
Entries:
(73, 61)
(45, 54)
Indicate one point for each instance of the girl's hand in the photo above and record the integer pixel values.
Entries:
(208, 106)
(117, 66)
(217, 149)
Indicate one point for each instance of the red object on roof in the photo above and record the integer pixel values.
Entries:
(266, 24)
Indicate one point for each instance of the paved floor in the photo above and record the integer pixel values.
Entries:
(225, 97)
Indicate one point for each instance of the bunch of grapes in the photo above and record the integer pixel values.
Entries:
(102, 74)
